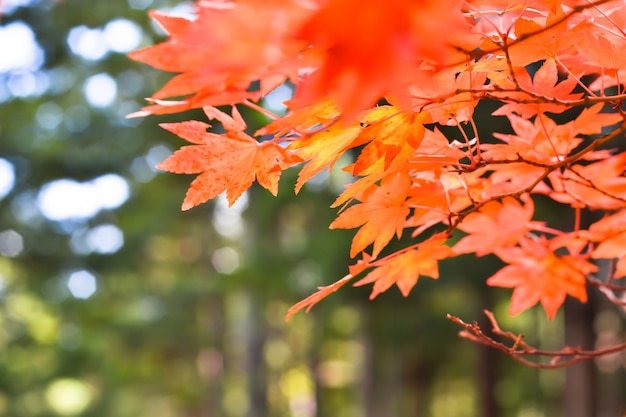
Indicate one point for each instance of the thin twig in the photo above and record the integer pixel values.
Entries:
(519, 349)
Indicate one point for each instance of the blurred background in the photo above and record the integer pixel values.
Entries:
(113, 302)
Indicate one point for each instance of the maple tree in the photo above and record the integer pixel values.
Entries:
(382, 81)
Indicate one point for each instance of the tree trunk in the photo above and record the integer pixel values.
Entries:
(579, 396)
(487, 363)
(255, 338)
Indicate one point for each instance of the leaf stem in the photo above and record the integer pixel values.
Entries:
(260, 109)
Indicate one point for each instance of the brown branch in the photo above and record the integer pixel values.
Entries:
(585, 182)
(499, 94)
(608, 290)
(519, 349)
(458, 217)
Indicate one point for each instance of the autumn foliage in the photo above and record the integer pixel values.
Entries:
(380, 82)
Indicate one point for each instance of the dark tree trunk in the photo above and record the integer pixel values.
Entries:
(579, 395)
(255, 337)
(487, 365)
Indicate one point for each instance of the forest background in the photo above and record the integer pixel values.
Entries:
(113, 302)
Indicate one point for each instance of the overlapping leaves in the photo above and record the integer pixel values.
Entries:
(555, 68)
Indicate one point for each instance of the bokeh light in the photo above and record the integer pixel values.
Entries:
(68, 199)
(7, 177)
(82, 284)
(19, 49)
(100, 90)
(122, 35)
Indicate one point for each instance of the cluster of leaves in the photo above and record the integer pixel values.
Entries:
(431, 62)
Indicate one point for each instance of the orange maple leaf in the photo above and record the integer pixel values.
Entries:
(228, 162)
(431, 157)
(591, 121)
(228, 46)
(323, 149)
(602, 48)
(324, 291)
(545, 82)
(537, 274)
(387, 130)
(544, 43)
(610, 233)
(384, 131)
(541, 141)
(496, 225)
(366, 50)
(304, 121)
(508, 178)
(600, 185)
(405, 268)
(432, 201)
(457, 107)
(315, 298)
(316, 135)
(381, 214)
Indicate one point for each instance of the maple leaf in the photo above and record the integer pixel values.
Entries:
(542, 141)
(508, 178)
(599, 185)
(574, 242)
(323, 149)
(610, 233)
(545, 82)
(381, 214)
(315, 298)
(541, 43)
(227, 162)
(496, 225)
(431, 157)
(223, 50)
(432, 201)
(590, 121)
(602, 49)
(404, 269)
(304, 121)
(386, 130)
(434, 153)
(316, 135)
(457, 107)
(343, 44)
(537, 274)
(324, 291)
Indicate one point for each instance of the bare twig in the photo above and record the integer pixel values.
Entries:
(519, 349)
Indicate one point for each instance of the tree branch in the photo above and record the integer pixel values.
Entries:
(519, 349)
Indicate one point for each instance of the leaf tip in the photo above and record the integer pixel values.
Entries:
(137, 114)
(189, 203)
